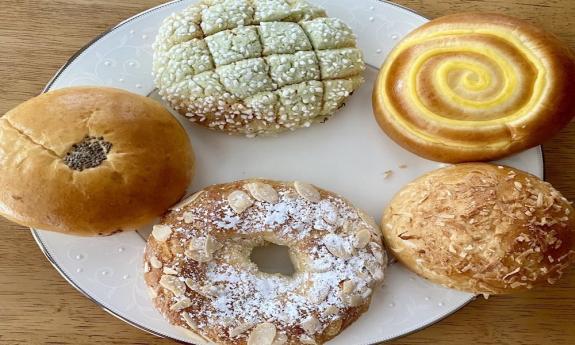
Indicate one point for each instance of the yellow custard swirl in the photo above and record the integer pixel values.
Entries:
(470, 81)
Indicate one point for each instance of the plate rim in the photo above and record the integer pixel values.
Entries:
(44, 250)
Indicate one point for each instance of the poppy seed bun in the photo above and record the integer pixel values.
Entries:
(481, 228)
(91, 161)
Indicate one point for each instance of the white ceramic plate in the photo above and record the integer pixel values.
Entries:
(349, 155)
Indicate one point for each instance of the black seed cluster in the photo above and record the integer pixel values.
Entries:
(89, 153)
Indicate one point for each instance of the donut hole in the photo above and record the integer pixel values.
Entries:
(273, 258)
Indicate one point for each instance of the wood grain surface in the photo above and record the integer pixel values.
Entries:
(37, 306)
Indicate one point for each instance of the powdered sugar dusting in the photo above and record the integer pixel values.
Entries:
(242, 295)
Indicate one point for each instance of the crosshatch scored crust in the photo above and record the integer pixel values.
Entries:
(482, 228)
(256, 66)
(201, 278)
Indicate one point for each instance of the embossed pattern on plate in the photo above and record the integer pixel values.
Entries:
(348, 154)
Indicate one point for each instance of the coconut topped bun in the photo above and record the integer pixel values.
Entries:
(482, 228)
(91, 161)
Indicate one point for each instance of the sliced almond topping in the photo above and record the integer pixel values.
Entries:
(197, 243)
(347, 227)
(146, 267)
(366, 293)
(207, 291)
(337, 246)
(189, 321)
(198, 255)
(362, 238)
(263, 192)
(307, 191)
(306, 339)
(197, 250)
(191, 283)
(181, 304)
(375, 269)
(173, 284)
(212, 245)
(210, 291)
(518, 185)
(353, 300)
(161, 232)
(331, 310)
(280, 339)
(169, 270)
(321, 266)
(363, 275)
(239, 201)
(348, 286)
(310, 325)
(321, 295)
(378, 252)
(153, 293)
(262, 334)
(368, 219)
(187, 201)
(234, 332)
(188, 217)
(329, 212)
(155, 262)
(333, 328)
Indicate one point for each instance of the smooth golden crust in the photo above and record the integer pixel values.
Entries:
(481, 228)
(147, 169)
(226, 290)
(474, 87)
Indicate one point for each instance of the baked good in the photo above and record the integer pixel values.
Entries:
(475, 87)
(256, 66)
(91, 161)
(198, 266)
(481, 228)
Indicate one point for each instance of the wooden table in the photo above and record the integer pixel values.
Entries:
(38, 307)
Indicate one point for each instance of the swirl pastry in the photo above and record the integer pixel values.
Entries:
(474, 87)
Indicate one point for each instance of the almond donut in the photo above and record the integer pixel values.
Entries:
(198, 266)
(475, 87)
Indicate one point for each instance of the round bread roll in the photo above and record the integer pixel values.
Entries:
(475, 87)
(481, 228)
(256, 67)
(198, 267)
(91, 161)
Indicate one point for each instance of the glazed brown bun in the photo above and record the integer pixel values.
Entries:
(481, 228)
(475, 87)
(91, 161)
